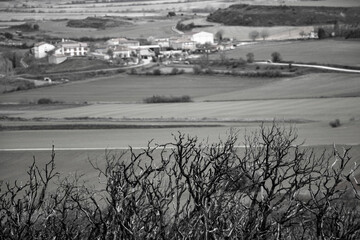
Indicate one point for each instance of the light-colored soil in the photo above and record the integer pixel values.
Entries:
(289, 109)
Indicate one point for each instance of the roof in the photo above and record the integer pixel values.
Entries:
(122, 40)
(73, 44)
(144, 47)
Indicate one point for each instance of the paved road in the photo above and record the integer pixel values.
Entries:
(313, 66)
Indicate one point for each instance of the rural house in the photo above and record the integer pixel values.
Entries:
(41, 49)
(162, 42)
(71, 48)
(183, 44)
(121, 52)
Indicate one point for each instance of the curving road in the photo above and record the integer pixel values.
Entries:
(312, 66)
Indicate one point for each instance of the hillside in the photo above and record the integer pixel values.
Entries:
(256, 15)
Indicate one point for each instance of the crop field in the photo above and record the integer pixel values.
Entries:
(305, 110)
(343, 52)
(125, 88)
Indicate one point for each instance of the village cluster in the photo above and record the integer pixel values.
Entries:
(126, 49)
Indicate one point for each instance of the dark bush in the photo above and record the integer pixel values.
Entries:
(276, 57)
(156, 71)
(174, 71)
(165, 99)
(46, 101)
(250, 57)
(334, 124)
(197, 70)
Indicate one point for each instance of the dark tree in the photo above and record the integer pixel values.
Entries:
(8, 35)
(250, 57)
(276, 57)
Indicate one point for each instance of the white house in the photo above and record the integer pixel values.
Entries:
(72, 48)
(41, 49)
(201, 37)
(121, 52)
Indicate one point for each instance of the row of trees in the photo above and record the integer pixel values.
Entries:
(189, 189)
(253, 35)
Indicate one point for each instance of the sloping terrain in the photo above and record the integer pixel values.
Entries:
(256, 15)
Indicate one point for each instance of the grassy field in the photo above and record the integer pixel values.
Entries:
(125, 88)
(332, 51)
(129, 88)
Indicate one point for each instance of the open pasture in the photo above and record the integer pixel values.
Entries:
(132, 88)
(125, 88)
(332, 51)
(318, 85)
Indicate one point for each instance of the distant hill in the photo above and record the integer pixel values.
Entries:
(256, 15)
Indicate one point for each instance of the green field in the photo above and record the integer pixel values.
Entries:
(125, 88)
(342, 52)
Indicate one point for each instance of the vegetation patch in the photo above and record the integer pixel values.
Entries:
(335, 123)
(257, 15)
(100, 23)
(48, 101)
(166, 99)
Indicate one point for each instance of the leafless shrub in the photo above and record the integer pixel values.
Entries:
(192, 189)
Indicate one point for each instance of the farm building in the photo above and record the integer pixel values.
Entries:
(41, 49)
(154, 49)
(201, 37)
(72, 48)
(162, 42)
(122, 42)
(182, 43)
(121, 52)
